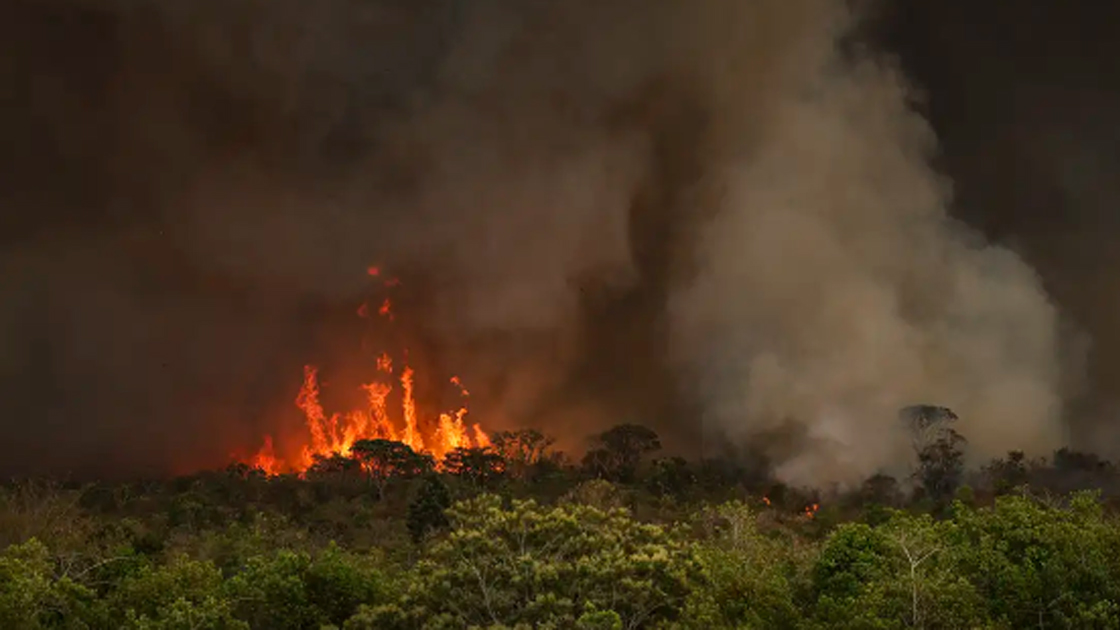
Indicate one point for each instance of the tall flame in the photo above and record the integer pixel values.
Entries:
(337, 433)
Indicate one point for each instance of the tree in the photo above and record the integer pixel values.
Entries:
(938, 448)
(926, 423)
(427, 512)
(286, 590)
(941, 466)
(523, 449)
(479, 466)
(534, 566)
(1074, 470)
(183, 593)
(881, 489)
(1007, 473)
(1041, 566)
(333, 464)
(620, 450)
(598, 493)
(896, 575)
(383, 460)
(32, 598)
(671, 476)
(750, 574)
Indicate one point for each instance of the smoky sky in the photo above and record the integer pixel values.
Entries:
(717, 218)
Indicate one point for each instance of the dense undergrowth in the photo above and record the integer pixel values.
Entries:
(516, 538)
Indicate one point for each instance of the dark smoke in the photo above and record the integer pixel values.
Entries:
(681, 214)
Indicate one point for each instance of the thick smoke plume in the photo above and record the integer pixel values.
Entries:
(716, 217)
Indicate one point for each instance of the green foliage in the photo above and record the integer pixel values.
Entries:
(238, 550)
(751, 577)
(295, 590)
(897, 575)
(597, 493)
(427, 512)
(1035, 563)
(210, 613)
(31, 597)
(169, 595)
(25, 585)
(544, 567)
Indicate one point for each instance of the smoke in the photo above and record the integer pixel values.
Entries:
(658, 212)
(836, 290)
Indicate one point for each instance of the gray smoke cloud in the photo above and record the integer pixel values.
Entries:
(659, 212)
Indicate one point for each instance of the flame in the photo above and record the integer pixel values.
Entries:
(458, 383)
(337, 433)
(811, 510)
(411, 435)
(766, 500)
(266, 459)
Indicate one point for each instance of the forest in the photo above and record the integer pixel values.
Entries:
(517, 535)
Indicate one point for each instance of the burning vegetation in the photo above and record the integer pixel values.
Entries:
(351, 433)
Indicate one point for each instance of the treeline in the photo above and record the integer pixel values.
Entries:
(518, 536)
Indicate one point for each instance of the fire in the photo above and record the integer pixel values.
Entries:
(337, 432)
(811, 510)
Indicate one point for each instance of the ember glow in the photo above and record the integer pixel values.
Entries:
(336, 433)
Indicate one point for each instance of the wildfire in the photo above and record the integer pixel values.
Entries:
(337, 433)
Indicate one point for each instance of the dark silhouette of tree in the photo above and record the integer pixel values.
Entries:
(938, 447)
(926, 423)
(479, 466)
(941, 466)
(333, 464)
(1067, 460)
(383, 460)
(1008, 473)
(427, 511)
(244, 472)
(1072, 470)
(671, 476)
(881, 489)
(523, 450)
(619, 452)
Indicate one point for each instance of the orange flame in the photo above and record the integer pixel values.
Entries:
(811, 510)
(266, 459)
(337, 433)
(385, 364)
